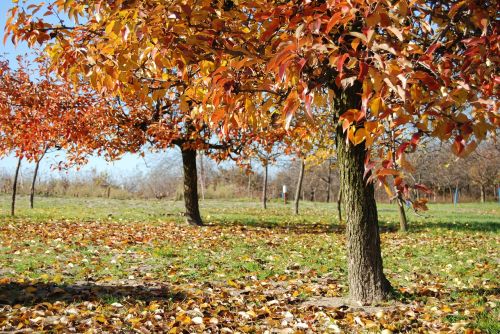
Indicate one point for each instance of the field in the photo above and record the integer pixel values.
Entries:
(78, 265)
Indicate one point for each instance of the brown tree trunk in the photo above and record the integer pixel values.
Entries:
(14, 189)
(299, 187)
(33, 182)
(367, 282)
(264, 188)
(483, 194)
(249, 186)
(329, 181)
(419, 181)
(202, 177)
(339, 205)
(191, 187)
(403, 222)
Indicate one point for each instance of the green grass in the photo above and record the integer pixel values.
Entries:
(467, 216)
(449, 256)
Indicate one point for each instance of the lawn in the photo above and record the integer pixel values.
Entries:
(133, 266)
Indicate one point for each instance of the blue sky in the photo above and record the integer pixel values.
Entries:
(129, 164)
(8, 50)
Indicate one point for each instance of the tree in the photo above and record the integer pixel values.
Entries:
(374, 60)
(483, 168)
(300, 179)
(266, 156)
(428, 65)
(35, 174)
(158, 103)
(14, 188)
(37, 113)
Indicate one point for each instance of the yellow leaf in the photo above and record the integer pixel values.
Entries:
(388, 190)
(109, 83)
(376, 106)
(100, 318)
(359, 136)
(233, 284)
(109, 28)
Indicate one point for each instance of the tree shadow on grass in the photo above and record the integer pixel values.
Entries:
(293, 227)
(28, 294)
(462, 227)
(448, 295)
(282, 227)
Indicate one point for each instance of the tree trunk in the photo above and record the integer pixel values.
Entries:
(483, 194)
(202, 178)
(264, 188)
(191, 187)
(299, 187)
(418, 191)
(33, 182)
(367, 282)
(339, 204)
(249, 186)
(14, 189)
(403, 222)
(329, 181)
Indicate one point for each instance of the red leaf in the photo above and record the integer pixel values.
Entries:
(333, 20)
(341, 61)
(423, 188)
(302, 63)
(363, 70)
(458, 145)
(415, 139)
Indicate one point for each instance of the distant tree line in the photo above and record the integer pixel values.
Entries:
(475, 178)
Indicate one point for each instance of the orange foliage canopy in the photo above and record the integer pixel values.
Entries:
(428, 66)
(38, 113)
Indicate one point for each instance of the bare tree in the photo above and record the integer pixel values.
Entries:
(14, 188)
(35, 174)
(299, 186)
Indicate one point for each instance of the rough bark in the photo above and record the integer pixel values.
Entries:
(403, 222)
(329, 182)
(299, 188)
(339, 205)
(202, 178)
(264, 188)
(191, 187)
(33, 182)
(367, 282)
(14, 189)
